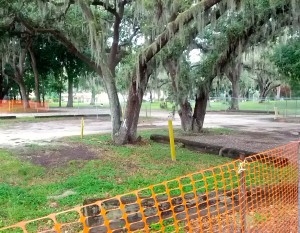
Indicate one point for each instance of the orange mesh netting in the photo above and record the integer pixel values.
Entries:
(15, 106)
(259, 194)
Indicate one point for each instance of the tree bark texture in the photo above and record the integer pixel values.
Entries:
(36, 76)
(265, 86)
(115, 107)
(1, 87)
(234, 74)
(128, 130)
(93, 96)
(186, 116)
(59, 99)
(70, 91)
(235, 95)
(192, 121)
(43, 92)
(200, 110)
(24, 96)
(4, 89)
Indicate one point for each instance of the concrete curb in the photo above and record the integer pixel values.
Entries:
(73, 115)
(241, 112)
(7, 117)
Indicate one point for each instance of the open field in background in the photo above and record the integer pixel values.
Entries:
(146, 105)
(38, 180)
(292, 106)
(289, 107)
(78, 104)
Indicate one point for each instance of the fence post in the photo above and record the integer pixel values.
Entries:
(172, 141)
(242, 197)
(82, 128)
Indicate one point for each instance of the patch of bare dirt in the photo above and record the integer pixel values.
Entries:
(268, 220)
(249, 141)
(275, 220)
(53, 156)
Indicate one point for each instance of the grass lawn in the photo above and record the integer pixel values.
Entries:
(292, 106)
(8, 122)
(80, 105)
(25, 187)
(146, 105)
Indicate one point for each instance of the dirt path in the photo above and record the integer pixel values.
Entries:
(43, 132)
(21, 133)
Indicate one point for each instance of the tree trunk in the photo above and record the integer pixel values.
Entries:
(186, 116)
(278, 89)
(23, 94)
(70, 91)
(158, 94)
(1, 87)
(151, 97)
(233, 74)
(128, 130)
(43, 92)
(36, 76)
(115, 107)
(59, 99)
(93, 97)
(235, 94)
(194, 123)
(4, 89)
(200, 111)
(263, 95)
(262, 89)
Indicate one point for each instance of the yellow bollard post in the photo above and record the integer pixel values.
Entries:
(82, 127)
(172, 143)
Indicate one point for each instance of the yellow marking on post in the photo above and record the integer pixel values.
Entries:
(82, 127)
(172, 143)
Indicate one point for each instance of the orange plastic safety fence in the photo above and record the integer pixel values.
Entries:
(15, 106)
(258, 194)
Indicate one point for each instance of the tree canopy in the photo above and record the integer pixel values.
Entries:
(127, 42)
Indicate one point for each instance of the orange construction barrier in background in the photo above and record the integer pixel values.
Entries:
(257, 194)
(17, 106)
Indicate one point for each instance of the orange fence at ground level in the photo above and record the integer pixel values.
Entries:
(259, 194)
(15, 106)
